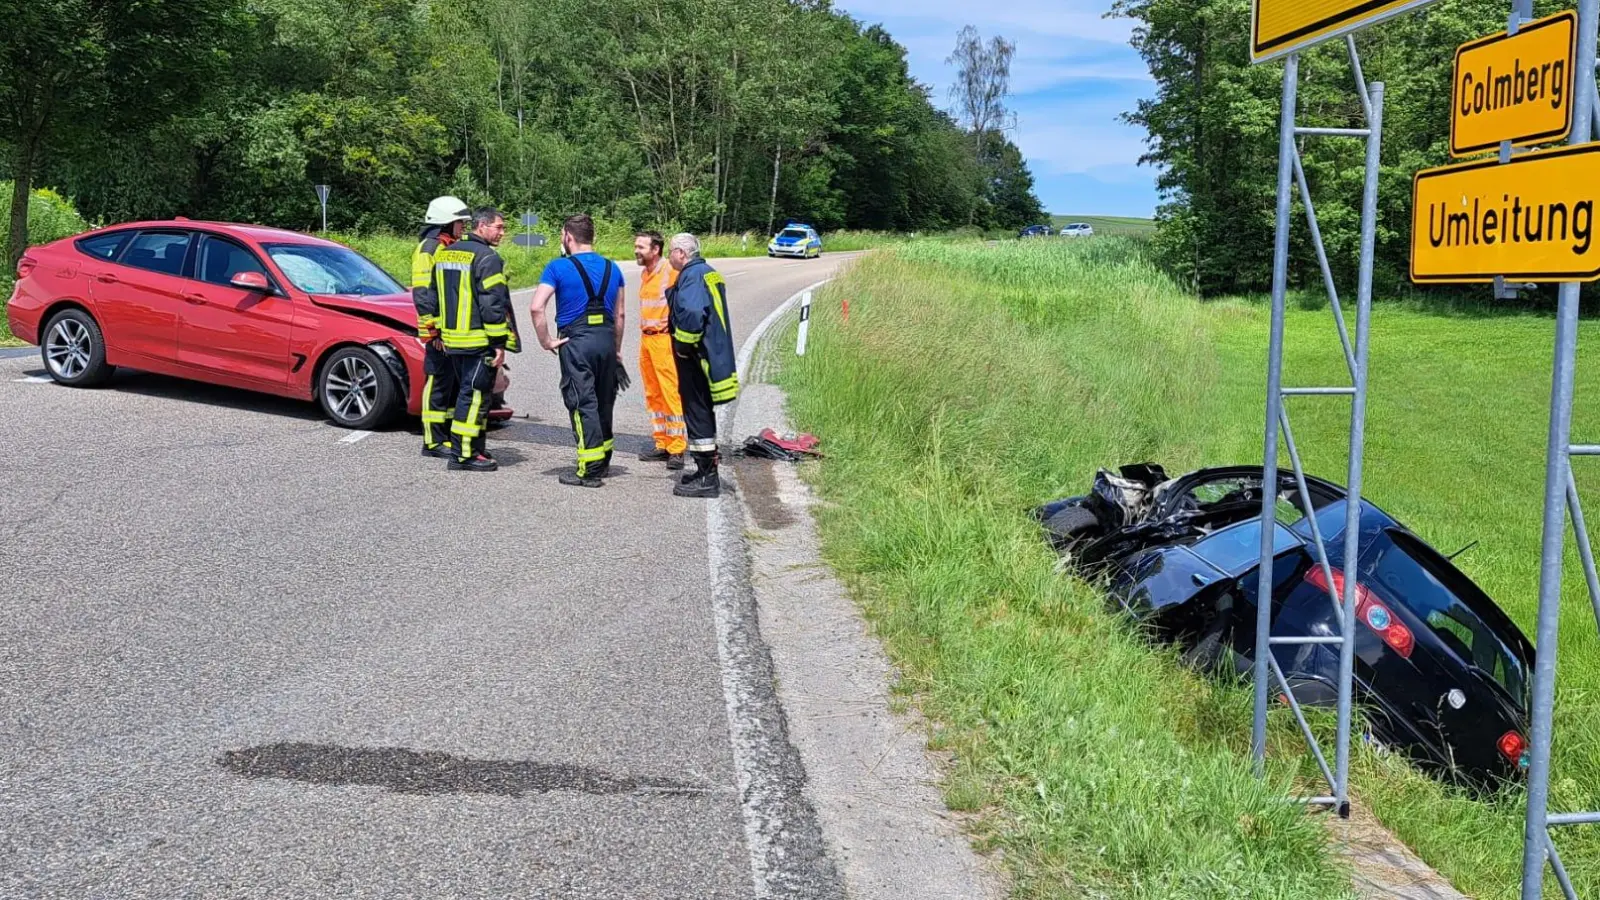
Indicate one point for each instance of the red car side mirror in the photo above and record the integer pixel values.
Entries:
(251, 281)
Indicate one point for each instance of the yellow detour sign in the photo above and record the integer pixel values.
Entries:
(1531, 218)
(1514, 88)
(1278, 27)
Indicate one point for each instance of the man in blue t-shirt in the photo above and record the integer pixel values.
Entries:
(587, 288)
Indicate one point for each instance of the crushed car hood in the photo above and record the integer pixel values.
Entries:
(387, 309)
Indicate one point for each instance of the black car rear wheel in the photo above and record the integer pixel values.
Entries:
(356, 389)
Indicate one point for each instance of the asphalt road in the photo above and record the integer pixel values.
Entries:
(247, 654)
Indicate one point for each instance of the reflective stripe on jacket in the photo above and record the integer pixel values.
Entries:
(699, 312)
(423, 293)
(653, 287)
(474, 299)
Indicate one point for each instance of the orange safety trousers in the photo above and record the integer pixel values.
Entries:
(660, 374)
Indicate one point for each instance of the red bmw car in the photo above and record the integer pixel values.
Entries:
(238, 305)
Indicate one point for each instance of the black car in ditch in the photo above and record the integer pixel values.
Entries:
(1440, 672)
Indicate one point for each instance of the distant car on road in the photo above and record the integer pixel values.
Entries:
(797, 240)
(1034, 231)
(1441, 672)
(1077, 229)
(238, 305)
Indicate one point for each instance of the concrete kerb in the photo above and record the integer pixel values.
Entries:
(867, 779)
(788, 857)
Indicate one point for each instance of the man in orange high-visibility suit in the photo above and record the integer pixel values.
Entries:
(656, 365)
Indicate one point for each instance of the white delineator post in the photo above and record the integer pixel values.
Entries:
(805, 324)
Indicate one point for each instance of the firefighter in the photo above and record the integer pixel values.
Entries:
(475, 326)
(656, 362)
(444, 222)
(587, 289)
(702, 344)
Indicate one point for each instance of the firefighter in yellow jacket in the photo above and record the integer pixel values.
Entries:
(476, 327)
(656, 364)
(446, 219)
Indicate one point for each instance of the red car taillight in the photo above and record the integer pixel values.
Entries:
(25, 265)
(1370, 611)
(1514, 748)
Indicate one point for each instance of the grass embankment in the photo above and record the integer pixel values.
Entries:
(1110, 225)
(971, 383)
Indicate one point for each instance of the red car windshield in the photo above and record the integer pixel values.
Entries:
(320, 269)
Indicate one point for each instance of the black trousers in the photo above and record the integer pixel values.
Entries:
(474, 379)
(438, 396)
(699, 416)
(589, 389)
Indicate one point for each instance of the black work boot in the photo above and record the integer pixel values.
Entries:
(478, 463)
(674, 462)
(440, 451)
(659, 454)
(704, 481)
(698, 470)
(573, 479)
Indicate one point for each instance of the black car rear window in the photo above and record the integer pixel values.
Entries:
(1404, 576)
(1238, 549)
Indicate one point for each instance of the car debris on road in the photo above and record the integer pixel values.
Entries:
(1440, 671)
(787, 447)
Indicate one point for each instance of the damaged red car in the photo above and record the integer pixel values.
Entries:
(238, 305)
(1441, 673)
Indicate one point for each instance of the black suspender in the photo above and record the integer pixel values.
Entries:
(595, 313)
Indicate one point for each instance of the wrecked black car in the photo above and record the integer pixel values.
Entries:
(1440, 672)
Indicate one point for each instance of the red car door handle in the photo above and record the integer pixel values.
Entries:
(196, 299)
(106, 279)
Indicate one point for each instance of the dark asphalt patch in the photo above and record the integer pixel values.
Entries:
(761, 494)
(430, 772)
(522, 431)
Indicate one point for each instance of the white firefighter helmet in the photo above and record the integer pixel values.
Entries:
(447, 209)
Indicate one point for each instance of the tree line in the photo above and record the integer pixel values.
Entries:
(1213, 131)
(706, 114)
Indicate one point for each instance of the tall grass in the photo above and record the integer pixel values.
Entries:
(971, 383)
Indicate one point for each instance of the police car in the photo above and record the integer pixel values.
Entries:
(796, 240)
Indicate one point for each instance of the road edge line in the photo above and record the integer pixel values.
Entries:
(766, 764)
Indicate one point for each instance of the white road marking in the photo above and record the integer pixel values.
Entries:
(759, 787)
(790, 265)
(737, 274)
(354, 436)
(34, 379)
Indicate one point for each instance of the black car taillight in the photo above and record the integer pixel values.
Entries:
(1514, 748)
(1369, 610)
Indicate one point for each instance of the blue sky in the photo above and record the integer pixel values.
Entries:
(1073, 74)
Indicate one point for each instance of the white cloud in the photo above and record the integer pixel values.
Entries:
(1081, 147)
(1073, 74)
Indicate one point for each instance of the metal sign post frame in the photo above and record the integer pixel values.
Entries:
(1560, 499)
(322, 198)
(1290, 167)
